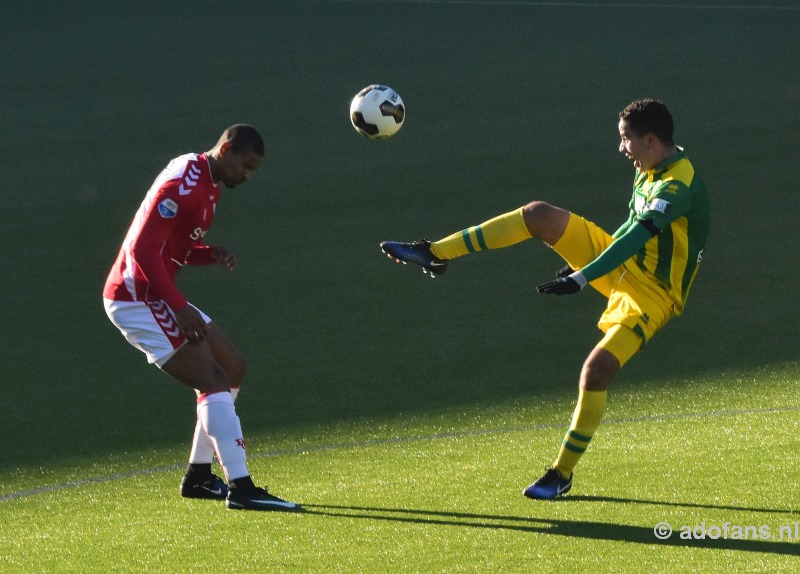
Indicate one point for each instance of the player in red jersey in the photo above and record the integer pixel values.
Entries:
(142, 300)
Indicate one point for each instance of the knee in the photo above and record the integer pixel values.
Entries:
(535, 212)
(214, 380)
(545, 221)
(598, 370)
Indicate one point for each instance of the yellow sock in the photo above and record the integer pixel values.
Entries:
(588, 414)
(502, 231)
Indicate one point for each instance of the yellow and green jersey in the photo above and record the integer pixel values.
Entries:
(673, 199)
(666, 232)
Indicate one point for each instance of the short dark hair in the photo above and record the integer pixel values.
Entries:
(244, 139)
(649, 116)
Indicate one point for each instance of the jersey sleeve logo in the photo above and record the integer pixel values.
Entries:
(190, 180)
(168, 208)
(658, 205)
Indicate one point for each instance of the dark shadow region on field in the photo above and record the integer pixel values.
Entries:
(572, 528)
(590, 498)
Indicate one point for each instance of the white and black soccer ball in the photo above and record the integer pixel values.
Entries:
(377, 112)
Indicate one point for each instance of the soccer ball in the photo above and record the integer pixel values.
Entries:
(377, 112)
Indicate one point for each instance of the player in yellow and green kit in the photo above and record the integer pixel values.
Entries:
(645, 269)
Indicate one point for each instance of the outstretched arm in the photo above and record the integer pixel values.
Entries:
(622, 249)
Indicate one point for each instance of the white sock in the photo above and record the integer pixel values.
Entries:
(202, 447)
(218, 417)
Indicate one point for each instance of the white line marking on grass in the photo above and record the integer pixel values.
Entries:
(534, 4)
(386, 441)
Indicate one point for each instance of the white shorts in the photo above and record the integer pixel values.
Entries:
(149, 326)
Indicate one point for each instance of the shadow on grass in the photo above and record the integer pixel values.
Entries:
(589, 498)
(557, 527)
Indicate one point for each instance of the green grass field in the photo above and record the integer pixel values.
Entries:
(405, 414)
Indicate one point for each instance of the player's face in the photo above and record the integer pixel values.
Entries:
(238, 168)
(635, 147)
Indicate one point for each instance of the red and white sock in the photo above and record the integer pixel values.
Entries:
(219, 420)
(202, 447)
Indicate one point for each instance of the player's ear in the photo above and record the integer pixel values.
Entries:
(225, 148)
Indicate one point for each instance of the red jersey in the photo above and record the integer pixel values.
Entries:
(166, 233)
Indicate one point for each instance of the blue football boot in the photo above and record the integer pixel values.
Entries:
(418, 252)
(550, 485)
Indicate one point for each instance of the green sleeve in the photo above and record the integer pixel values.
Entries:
(622, 249)
(623, 228)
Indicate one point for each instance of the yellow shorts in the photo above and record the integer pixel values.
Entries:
(637, 306)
